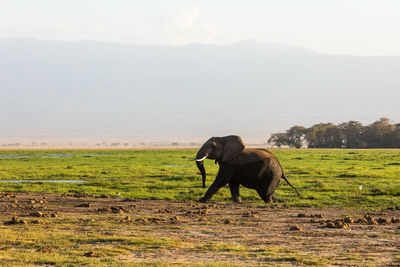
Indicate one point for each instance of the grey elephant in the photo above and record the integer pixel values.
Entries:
(253, 168)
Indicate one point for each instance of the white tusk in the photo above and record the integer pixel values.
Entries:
(203, 158)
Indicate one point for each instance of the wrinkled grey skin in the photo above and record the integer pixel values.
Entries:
(253, 168)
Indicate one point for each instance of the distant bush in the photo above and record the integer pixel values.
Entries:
(352, 134)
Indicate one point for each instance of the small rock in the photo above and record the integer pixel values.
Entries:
(296, 228)
(395, 220)
(15, 220)
(362, 220)
(89, 254)
(36, 214)
(141, 220)
(54, 215)
(382, 220)
(126, 220)
(301, 215)
(317, 216)
(349, 220)
(314, 221)
(176, 218)
(35, 221)
(227, 221)
(330, 225)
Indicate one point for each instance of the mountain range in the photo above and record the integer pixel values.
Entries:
(249, 88)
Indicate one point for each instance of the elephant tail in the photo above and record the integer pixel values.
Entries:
(284, 177)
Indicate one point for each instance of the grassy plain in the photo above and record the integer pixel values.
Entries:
(361, 179)
(157, 190)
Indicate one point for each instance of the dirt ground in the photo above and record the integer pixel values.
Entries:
(243, 234)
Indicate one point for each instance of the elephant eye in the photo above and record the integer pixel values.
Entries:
(213, 144)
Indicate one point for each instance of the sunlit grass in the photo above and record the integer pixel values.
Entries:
(367, 179)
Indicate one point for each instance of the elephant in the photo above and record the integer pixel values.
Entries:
(254, 168)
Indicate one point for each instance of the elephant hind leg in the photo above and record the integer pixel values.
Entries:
(234, 187)
(264, 196)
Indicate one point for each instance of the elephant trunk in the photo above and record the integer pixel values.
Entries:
(200, 165)
(200, 157)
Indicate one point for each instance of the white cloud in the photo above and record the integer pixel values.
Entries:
(183, 27)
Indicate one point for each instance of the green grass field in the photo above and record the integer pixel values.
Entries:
(359, 179)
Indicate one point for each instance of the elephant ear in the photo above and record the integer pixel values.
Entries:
(233, 146)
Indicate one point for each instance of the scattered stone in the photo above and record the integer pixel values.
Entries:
(370, 220)
(175, 219)
(116, 209)
(141, 220)
(317, 216)
(89, 220)
(382, 220)
(314, 221)
(36, 222)
(300, 215)
(349, 220)
(228, 221)
(340, 224)
(15, 220)
(104, 196)
(202, 219)
(296, 228)
(89, 254)
(330, 225)
(84, 205)
(105, 172)
(395, 220)
(32, 202)
(36, 214)
(103, 210)
(155, 220)
(164, 210)
(126, 220)
(362, 220)
(251, 214)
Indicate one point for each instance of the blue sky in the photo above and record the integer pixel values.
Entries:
(356, 27)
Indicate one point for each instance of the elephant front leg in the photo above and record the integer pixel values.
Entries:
(225, 173)
(234, 187)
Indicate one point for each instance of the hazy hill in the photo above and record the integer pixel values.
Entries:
(88, 88)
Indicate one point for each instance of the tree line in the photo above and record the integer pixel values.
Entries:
(351, 134)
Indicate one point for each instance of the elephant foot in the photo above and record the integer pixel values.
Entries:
(237, 200)
(202, 200)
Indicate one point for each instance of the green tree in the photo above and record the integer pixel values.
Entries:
(279, 139)
(324, 135)
(351, 133)
(296, 136)
(378, 134)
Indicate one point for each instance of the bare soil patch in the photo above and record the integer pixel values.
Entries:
(220, 233)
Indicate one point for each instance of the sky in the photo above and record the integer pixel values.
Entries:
(351, 27)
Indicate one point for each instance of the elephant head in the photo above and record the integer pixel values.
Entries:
(221, 149)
